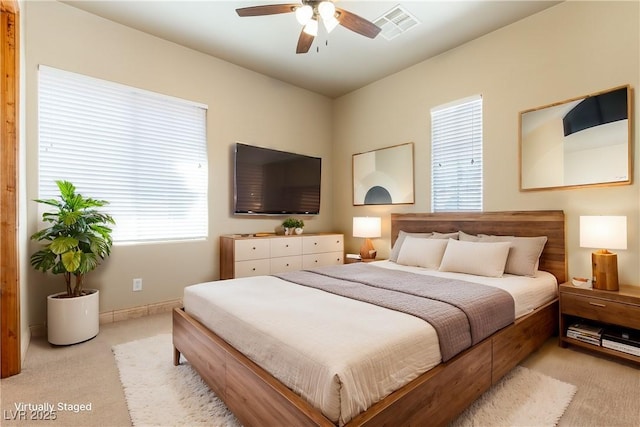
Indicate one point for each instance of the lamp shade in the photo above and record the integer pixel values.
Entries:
(330, 23)
(304, 14)
(311, 28)
(367, 227)
(326, 9)
(604, 232)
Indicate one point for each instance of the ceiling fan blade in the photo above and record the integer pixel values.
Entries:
(270, 9)
(304, 42)
(357, 24)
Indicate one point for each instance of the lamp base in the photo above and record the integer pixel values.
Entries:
(367, 251)
(605, 270)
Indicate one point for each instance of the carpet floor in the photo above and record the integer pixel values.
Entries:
(160, 394)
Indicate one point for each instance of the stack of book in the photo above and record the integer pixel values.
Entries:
(585, 332)
(626, 341)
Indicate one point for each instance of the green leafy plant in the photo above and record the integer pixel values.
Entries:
(293, 223)
(78, 237)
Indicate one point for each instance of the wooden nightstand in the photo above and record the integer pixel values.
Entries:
(603, 308)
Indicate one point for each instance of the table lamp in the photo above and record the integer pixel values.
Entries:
(367, 228)
(608, 232)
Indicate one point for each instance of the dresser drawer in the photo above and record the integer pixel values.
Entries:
(257, 267)
(318, 260)
(251, 249)
(286, 246)
(291, 263)
(320, 244)
(599, 309)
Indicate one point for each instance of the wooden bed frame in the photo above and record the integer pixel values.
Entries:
(434, 398)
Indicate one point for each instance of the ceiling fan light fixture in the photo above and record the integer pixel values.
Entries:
(327, 10)
(311, 28)
(309, 13)
(304, 14)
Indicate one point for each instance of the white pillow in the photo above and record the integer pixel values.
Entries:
(421, 252)
(479, 258)
(393, 256)
(524, 254)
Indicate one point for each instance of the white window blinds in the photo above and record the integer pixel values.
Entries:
(143, 152)
(456, 156)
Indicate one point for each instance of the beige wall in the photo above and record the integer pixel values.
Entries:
(572, 49)
(243, 106)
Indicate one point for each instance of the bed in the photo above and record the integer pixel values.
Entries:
(435, 396)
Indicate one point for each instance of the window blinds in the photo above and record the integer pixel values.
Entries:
(456, 153)
(143, 152)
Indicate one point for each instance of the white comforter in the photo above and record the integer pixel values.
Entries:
(341, 355)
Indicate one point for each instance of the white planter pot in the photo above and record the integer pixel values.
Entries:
(73, 320)
(298, 230)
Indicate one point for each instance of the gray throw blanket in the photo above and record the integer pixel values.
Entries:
(462, 313)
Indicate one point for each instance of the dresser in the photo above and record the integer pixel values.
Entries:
(254, 256)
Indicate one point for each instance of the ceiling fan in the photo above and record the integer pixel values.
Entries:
(308, 13)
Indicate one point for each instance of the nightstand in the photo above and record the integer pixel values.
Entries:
(603, 308)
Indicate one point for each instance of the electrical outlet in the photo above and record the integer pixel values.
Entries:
(137, 285)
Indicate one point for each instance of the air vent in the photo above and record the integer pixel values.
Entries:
(395, 22)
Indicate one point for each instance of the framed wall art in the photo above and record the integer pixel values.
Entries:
(384, 176)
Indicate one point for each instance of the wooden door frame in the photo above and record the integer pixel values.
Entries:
(10, 349)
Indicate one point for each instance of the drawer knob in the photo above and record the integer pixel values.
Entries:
(287, 264)
(316, 261)
(253, 269)
(315, 243)
(597, 304)
(254, 248)
(286, 246)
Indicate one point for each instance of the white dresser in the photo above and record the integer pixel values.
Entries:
(255, 256)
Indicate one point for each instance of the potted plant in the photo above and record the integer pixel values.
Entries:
(292, 225)
(76, 239)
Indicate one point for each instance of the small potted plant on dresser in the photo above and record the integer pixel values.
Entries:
(77, 238)
(292, 225)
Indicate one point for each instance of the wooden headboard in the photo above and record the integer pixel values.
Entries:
(508, 223)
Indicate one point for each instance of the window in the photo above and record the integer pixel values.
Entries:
(456, 156)
(144, 152)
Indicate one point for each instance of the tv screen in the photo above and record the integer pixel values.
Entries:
(272, 182)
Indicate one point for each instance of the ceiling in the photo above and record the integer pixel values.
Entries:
(337, 63)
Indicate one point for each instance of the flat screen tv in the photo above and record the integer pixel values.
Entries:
(272, 182)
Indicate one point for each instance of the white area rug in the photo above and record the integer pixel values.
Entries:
(160, 394)
(523, 398)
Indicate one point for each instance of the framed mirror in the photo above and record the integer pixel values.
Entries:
(580, 142)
